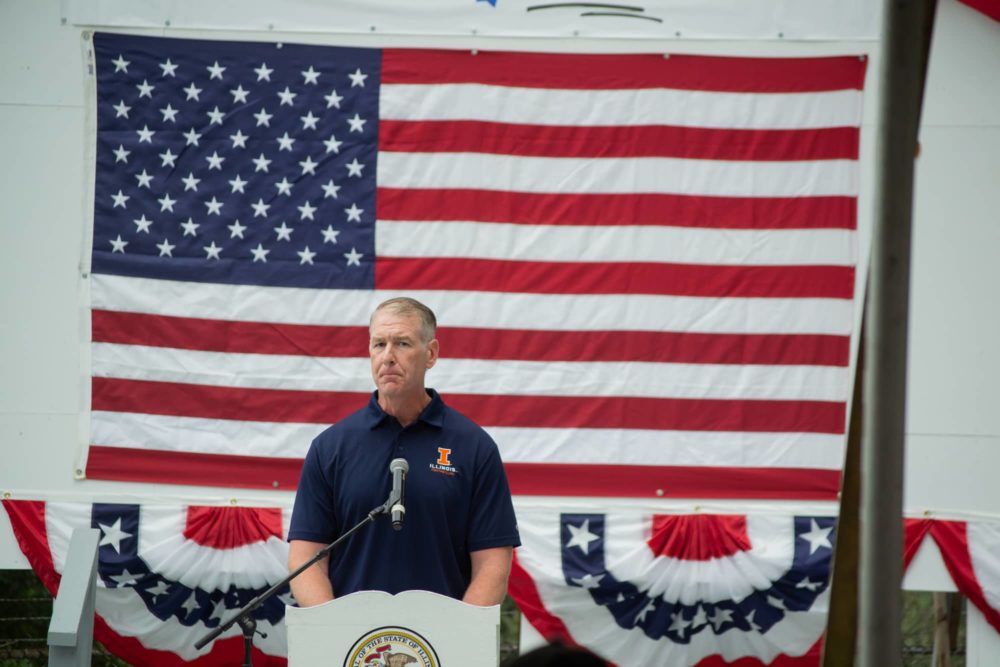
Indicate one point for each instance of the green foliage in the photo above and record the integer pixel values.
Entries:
(918, 629)
(25, 610)
(510, 630)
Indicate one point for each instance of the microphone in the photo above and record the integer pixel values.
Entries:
(398, 468)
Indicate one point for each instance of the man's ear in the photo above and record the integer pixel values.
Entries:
(432, 348)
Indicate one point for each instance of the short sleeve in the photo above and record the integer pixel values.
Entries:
(313, 516)
(491, 520)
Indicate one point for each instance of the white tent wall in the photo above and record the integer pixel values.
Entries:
(953, 427)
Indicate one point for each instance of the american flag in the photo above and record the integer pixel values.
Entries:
(643, 265)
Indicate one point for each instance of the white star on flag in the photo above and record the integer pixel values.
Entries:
(168, 68)
(263, 72)
(353, 257)
(113, 535)
(589, 581)
(166, 249)
(236, 229)
(678, 624)
(190, 604)
(311, 75)
(354, 213)
(126, 578)
(142, 224)
(190, 227)
(212, 251)
(161, 588)
(306, 211)
(357, 123)
(260, 253)
(168, 158)
(215, 71)
(239, 95)
(580, 536)
(306, 255)
(817, 537)
(330, 234)
(357, 79)
(354, 168)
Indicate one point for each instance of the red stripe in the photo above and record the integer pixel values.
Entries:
(990, 8)
(697, 280)
(161, 467)
(535, 479)
(532, 208)
(699, 536)
(27, 521)
(953, 539)
(186, 333)
(231, 527)
(546, 479)
(210, 402)
(522, 588)
(810, 659)
(473, 343)
(608, 142)
(914, 532)
(327, 407)
(623, 72)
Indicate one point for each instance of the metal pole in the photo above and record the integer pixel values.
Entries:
(905, 44)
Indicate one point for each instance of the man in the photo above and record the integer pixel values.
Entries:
(459, 532)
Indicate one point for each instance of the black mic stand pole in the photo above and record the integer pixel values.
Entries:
(249, 624)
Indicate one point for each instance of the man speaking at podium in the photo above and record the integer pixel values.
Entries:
(459, 530)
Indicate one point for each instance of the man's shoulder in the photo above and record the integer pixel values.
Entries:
(458, 423)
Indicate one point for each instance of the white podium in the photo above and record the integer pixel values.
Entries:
(376, 629)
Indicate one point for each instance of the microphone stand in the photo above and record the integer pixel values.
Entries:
(243, 617)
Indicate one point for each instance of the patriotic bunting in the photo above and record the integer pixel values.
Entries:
(167, 575)
(634, 586)
(680, 590)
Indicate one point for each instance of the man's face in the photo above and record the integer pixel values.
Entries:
(400, 358)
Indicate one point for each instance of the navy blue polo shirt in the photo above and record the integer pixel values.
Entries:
(457, 500)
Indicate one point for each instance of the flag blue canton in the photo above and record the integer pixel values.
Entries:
(236, 163)
(121, 566)
(796, 590)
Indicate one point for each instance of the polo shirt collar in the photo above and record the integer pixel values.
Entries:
(432, 415)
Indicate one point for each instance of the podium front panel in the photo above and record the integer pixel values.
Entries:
(376, 629)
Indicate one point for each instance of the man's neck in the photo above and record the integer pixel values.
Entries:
(406, 409)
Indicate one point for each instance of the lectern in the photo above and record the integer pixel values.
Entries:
(377, 629)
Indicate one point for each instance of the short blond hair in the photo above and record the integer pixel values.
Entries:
(404, 305)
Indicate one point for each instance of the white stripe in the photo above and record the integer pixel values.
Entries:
(204, 436)
(474, 376)
(618, 175)
(557, 243)
(669, 448)
(517, 445)
(556, 312)
(651, 106)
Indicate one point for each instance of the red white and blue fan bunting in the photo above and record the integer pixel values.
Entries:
(647, 589)
(167, 574)
(636, 587)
